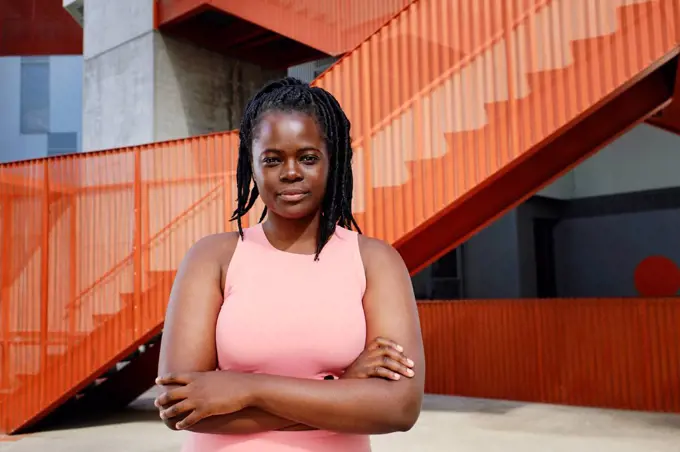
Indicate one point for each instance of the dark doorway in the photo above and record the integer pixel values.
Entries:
(544, 248)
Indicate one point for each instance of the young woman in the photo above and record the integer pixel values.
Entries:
(297, 334)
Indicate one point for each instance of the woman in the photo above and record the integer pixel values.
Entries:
(274, 338)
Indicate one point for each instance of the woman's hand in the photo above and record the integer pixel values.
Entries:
(382, 358)
(201, 395)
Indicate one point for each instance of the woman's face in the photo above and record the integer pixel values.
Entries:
(290, 164)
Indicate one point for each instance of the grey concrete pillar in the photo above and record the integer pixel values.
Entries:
(141, 86)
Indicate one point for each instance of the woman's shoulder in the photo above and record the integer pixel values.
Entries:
(376, 253)
(218, 248)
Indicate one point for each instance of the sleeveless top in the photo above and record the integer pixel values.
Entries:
(286, 314)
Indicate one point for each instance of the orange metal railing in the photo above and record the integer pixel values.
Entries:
(619, 353)
(99, 280)
(475, 84)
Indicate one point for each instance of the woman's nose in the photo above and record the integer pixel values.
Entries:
(290, 171)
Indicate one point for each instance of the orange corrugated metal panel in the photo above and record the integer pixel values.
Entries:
(38, 27)
(451, 94)
(332, 26)
(444, 100)
(618, 353)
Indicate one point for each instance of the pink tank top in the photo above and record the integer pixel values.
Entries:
(286, 314)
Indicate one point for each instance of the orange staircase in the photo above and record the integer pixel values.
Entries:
(460, 110)
(534, 99)
(85, 347)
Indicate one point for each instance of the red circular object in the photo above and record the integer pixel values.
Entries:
(657, 276)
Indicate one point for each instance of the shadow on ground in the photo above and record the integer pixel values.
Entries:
(469, 405)
(141, 410)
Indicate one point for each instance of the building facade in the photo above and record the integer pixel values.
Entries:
(41, 72)
(40, 106)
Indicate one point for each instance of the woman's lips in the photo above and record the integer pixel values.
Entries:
(292, 195)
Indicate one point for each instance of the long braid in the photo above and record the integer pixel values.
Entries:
(290, 94)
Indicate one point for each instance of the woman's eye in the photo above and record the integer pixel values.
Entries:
(309, 159)
(269, 160)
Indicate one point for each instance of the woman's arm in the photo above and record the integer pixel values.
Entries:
(369, 406)
(248, 420)
(188, 343)
(206, 400)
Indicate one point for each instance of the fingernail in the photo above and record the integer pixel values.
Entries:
(410, 372)
(400, 348)
(397, 376)
(409, 362)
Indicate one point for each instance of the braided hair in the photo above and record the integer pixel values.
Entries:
(292, 95)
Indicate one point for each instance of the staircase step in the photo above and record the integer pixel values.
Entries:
(103, 318)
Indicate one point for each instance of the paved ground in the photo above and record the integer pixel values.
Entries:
(448, 424)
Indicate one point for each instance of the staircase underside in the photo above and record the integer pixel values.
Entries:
(669, 118)
(276, 34)
(213, 29)
(115, 392)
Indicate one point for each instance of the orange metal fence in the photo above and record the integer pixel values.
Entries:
(618, 353)
(90, 243)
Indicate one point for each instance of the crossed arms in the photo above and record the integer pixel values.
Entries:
(199, 399)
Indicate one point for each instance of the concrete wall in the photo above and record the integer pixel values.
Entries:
(141, 86)
(198, 91)
(65, 106)
(597, 256)
(491, 266)
(307, 72)
(645, 158)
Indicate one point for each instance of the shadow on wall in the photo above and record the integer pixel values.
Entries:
(199, 91)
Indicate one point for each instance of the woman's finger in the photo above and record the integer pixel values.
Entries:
(397, 356)
(392, 366)
(177, 409)
(383, 372)
(395, 366)
(190, 420)
(173, 395)
(384, 342)
(175, 379)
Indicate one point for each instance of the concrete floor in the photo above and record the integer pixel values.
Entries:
(446, 424)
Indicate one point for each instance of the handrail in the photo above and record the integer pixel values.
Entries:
(75, 304)
(464, 61)
(73, 190)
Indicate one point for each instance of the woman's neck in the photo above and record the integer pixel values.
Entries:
(285, 233)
